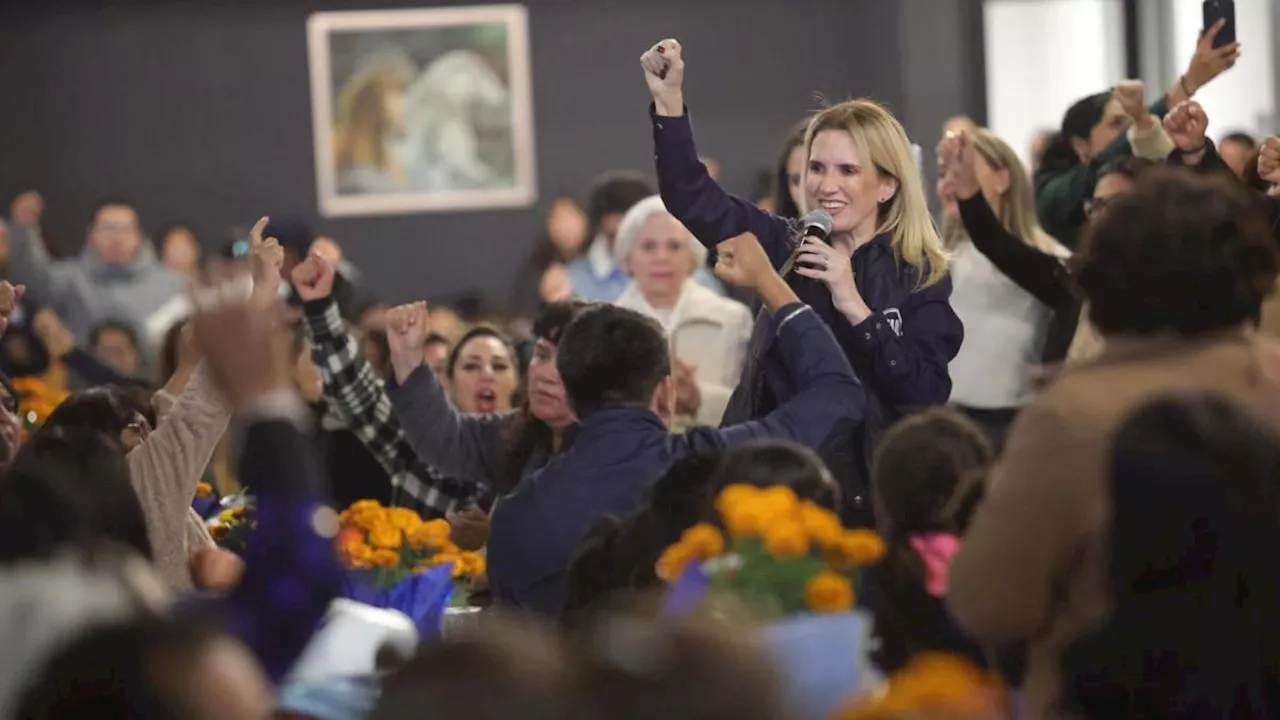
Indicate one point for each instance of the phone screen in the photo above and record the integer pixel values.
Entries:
(1215, 10)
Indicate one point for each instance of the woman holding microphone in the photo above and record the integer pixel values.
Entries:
(880, 281)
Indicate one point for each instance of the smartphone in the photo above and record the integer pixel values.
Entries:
(1215, 10)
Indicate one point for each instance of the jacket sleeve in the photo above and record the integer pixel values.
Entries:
(907, 372)
(291, 573)
(827, 391)
(694, 198)
(48, 281)
(95, 372)
(468, 446)
(1040, 274)
(1025, 535)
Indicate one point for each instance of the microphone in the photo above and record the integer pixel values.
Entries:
(816, 224)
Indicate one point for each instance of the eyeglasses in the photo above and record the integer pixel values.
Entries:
(140, 426)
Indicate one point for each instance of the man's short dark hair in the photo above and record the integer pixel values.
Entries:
(613, 194)
(119, 326)
(611, 357)
(1182, 253)
(1128, 167)
(1240, 138)
(111, 201)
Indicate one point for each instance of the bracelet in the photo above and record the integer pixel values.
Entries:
(1182, 80)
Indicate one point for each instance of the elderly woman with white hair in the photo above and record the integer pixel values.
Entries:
(708, 333)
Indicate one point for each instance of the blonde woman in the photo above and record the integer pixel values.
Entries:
(881, 284)
(1008, 325)
(370, 121)
(708, 333)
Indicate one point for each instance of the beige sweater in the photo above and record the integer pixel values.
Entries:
(168, 465)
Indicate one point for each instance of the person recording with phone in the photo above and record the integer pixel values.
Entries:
(878, 277)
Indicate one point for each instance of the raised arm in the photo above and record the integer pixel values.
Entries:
(351, 386)
(468, 446)
(47, 281)
(827, 391)
(687, 189)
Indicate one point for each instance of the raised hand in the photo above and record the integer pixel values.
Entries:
(1269, 160)
(313, 277)
(469, 529)
(688, 396)
(246, 354)
(1132, 96)
(961, 177)
(1209, 62)
(555, 285)
(267, 257)
(407, 330)
(742, 262)
(1186, 124)
(57, 339)
(27, 209)
(664, 73)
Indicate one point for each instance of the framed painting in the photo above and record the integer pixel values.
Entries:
(422, 110)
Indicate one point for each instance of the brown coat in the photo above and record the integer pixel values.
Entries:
(1033, 567)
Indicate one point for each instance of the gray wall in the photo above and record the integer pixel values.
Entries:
(203, 112)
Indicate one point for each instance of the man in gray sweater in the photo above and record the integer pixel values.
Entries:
(115, 277)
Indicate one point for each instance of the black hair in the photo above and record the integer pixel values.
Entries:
(169, 228)
(1129, 167)
(433, 339)
(1183, 253)
(119, 326)
(1193, 632)
(106, 409)
(111, 201)
(479, 331)
(612, 357)
(783, 205)
(613, 194)
(926, 477)
(69, 489)
(138, 668)
(527, 437)
(1077, 122)
(766, 462)
(1239, 138)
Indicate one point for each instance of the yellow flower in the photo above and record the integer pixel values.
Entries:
(385, 558)
(705, 540)
(673, 561)
(359, 556)
(430, 534)
(404, 518)
(822, 525)
(733, 495)
(786, 539)
(828, 592)
(746, 518)
(864, 547)
(780, 501)
(385, 535)
(203, 490)
(472, 563)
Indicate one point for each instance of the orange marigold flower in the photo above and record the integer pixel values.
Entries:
(385, 558)
(747, 518)
(780, 501)
(430, 534)
(822, 525)
(705, 540)
(404, 518)
(385, 535)
(203, 490)
(359, 556)
(732, 495)
(472, 563)
(828, 592)
(856, 547)
(672, 562)
(786, 539)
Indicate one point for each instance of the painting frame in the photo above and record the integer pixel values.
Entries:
(522, 193)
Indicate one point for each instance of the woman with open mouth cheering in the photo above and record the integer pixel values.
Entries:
(881, 283)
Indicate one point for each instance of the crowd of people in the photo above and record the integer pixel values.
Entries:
(1055, 405)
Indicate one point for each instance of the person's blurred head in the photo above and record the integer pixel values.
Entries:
(106, 409)
(788, 183)
(116, 344)
(1008, 190)
(1039, 144)
(115, 233)
(1088, 126)
(1193, 630)
(566, 227)
(500, 671)
(862, 171)
(547, 399)
(436, 353)
(374, 316)
(1180, 254)
(1115, 180)
(180, 250)
(769, 462)
(1237, 150)
(68, 489)
(482, 371)
(613, 195)
(445, 321)
(160, 668)
(657, 251)
(637, 668)
(611, 357)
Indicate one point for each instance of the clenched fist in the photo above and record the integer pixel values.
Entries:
(407, 330)
(1269, 160)
(664, 73)
(1132, 96)
(1186, 124)
(27, 209)
(313, 277)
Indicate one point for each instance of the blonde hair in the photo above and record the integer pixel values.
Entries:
(1018, 202)
(879, 136)
(362, 121)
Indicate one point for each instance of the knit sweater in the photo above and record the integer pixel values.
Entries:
(166, 467)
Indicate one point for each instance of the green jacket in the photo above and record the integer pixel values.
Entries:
(1060, 194)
